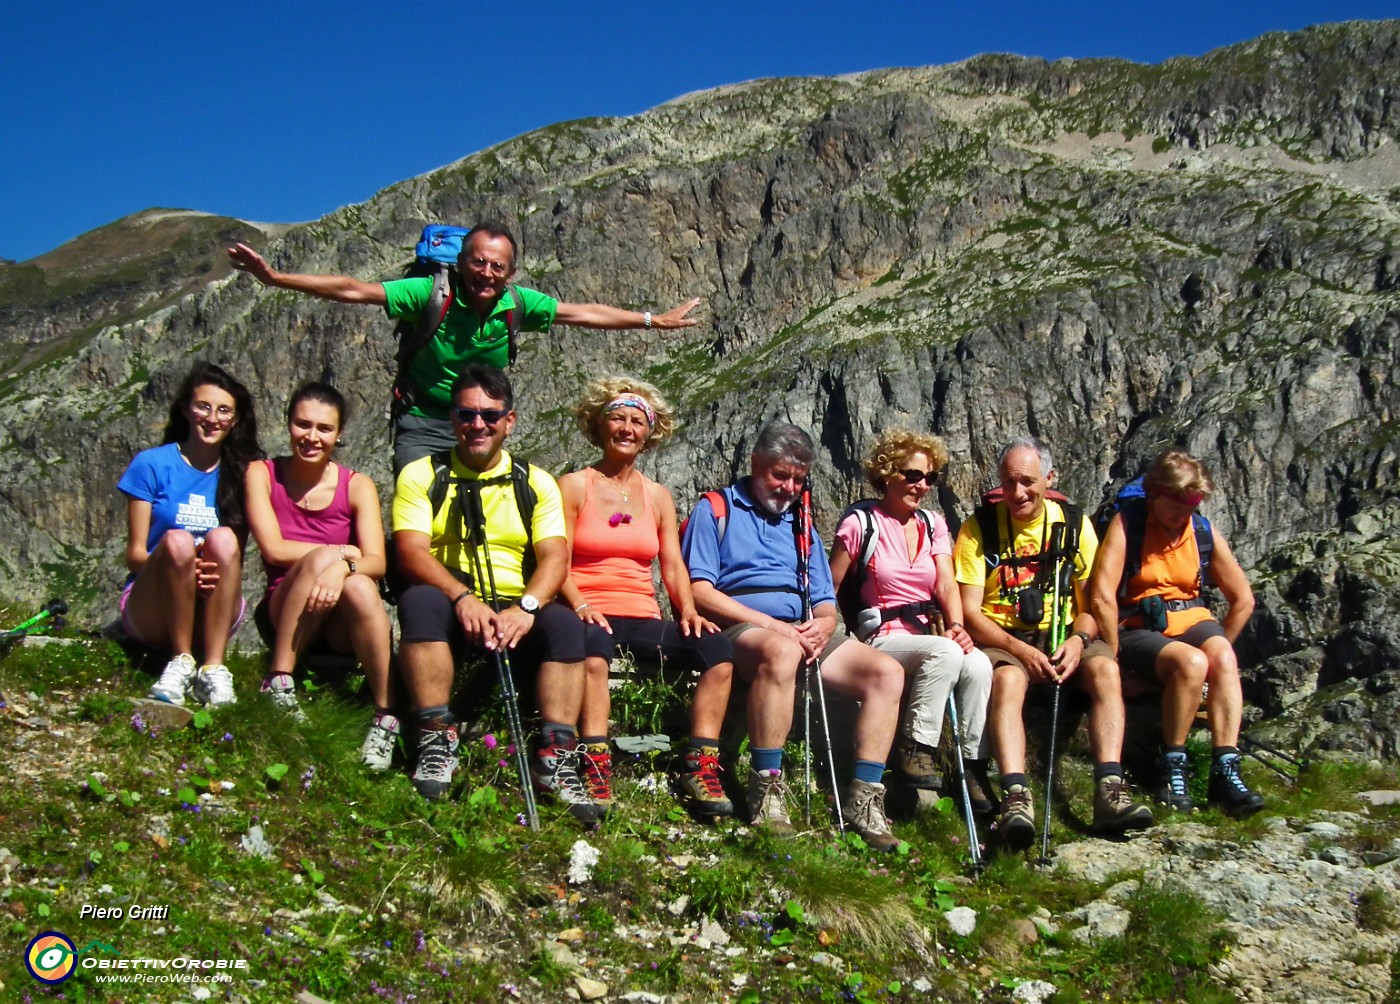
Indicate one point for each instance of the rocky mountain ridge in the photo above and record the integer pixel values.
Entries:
(1111, 256)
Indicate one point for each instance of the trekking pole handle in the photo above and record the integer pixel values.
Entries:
(54, 608)
(804, 547)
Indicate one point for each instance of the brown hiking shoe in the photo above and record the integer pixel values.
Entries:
(979, 787)
(916, 762)
(700, 787)
(1114, 808)
(1015, 822)
(768, 802)
(595, 768)
(865, 813)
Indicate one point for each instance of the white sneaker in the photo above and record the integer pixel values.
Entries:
(174, 680)
(377, 751)
(281, 689)
(213, 685)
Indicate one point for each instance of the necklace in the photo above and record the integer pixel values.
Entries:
(622, 489)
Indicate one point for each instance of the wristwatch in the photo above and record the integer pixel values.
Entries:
(529, 604)
(349, 562)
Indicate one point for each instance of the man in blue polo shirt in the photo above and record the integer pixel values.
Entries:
(744, 572)
(473, 330)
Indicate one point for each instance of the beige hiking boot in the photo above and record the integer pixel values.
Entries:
(768, 802)
(865, 813)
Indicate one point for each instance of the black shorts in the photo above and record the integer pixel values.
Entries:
(426, 615)
(651, 637)
(1138, 648)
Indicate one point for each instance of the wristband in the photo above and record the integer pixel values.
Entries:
(460, 597)
(1083, 636)
(582, 607)
(955, 624)
(646, 319)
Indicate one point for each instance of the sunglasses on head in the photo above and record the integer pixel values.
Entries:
(490, 416)
(914, 477)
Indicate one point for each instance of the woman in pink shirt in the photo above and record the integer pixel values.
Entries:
(318, 527)
(910, 605)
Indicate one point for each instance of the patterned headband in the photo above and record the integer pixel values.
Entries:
(632, 401)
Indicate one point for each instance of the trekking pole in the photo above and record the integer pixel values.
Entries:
(1256, 748)
(54, 608)
(1057, 631)
(472, 514)
(973, 847)
(814, 668)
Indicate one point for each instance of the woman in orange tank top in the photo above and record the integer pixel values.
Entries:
(619, 522)
(1186, 648)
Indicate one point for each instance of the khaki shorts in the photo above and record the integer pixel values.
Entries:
(1091, 650)
(837, 639)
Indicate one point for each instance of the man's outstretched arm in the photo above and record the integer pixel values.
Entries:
(600, 315)
(341, 288)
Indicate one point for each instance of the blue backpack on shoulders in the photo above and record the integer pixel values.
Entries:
(1131, 501)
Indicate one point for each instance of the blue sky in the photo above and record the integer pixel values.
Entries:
(284, 112)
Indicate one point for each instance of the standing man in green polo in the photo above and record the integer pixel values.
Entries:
(473, 330)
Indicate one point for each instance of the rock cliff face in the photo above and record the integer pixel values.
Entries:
(1111, 256)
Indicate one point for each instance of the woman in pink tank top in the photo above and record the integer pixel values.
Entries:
(620, 522)
(319, 529)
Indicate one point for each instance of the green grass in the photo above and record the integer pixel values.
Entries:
(371, 894)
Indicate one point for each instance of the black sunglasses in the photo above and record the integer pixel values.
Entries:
(914, 477)
(490, 416)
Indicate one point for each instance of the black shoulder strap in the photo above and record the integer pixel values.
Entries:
(525, 499)
(1134, 513)
(986, 516)
(442, 476)
(514, 316)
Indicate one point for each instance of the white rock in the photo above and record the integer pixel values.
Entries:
(712, 932)
(1101, 920)
(962, 920)
(922, 985)
(1033, 992)
(677, 906)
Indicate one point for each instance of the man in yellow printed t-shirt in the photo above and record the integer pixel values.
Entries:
(1007, 589)
(498, 597)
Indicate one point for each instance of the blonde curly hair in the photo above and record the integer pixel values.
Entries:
(892, 450)
(589, 412)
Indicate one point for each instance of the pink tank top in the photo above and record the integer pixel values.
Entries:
(612, 564)
(335, 524)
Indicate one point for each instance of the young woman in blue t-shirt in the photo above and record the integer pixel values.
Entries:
(185, 535)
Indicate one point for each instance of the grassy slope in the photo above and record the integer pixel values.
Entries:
(370, 894)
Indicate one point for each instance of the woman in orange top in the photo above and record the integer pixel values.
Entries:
(620, 521)
(1163, 629)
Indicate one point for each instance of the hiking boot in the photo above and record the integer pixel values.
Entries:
(281, 690)
(174, 680)
(1228, 790)
(768, 802)
(377, 751)
(557, 772)
(700, 787)
(915, 762)
(979, 787)
(1114, 808)
(595, 765)
(1174, 793)
(437, 762)
(213, 685)
(865, 813)
(1014, 826)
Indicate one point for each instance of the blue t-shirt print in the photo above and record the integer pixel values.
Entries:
(181, 497)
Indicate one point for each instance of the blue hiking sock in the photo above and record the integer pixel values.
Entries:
(762, 758)
(869, 771)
